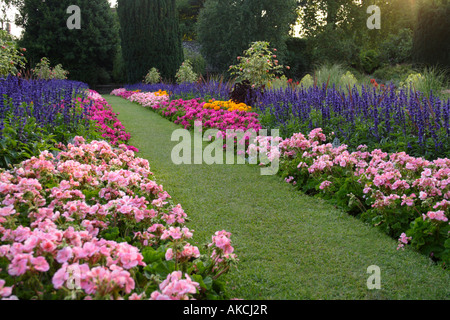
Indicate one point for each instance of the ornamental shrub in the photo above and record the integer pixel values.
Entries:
(369, 60)
(307, 81)
(43, 70)
(348, 80)
(259, 65)
(186, 73)
(152, 76)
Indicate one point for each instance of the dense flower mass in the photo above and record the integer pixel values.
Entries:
(88, 223)
(405, 196)
(186, 112)
(149, 99)
(36, 114)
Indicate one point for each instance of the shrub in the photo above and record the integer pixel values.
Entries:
(348, 80)
(185, 73)
(153, 76)
(11, 56)
(393, 73)
(369, 60)
(413, 80)
(298, 57)
(197, 61)
(307, 81)
(397, 48)
(258, 65)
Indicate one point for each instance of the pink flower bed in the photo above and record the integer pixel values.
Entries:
(89, 223)
(405, 196)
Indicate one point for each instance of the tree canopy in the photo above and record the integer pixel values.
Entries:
(227, 27)
(150, 37)
(87, 53)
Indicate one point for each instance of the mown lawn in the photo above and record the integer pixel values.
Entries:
(290, 246)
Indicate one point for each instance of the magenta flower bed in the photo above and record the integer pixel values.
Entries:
(106, 120)
(186, 112)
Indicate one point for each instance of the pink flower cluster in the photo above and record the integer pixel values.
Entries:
(389, 182)
(148, 99)
(53, 212)
(4, 291)
(174, 287)
(222, 253)
(124, 93)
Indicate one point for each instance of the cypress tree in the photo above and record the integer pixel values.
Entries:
(431, 44)
(87, 53)
(150, 37)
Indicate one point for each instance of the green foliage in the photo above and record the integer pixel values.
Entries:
(336, 30)
(298, 57)
(150, 37)
(119, 72)
(334, 46)
(348, 80)
(188, 11)
(329, 74)
(397, 48)
(197, 60)
(226, 29)
(13, 148)
(369, 60)
(22, 140)
(431, 45)
(258, 65)
(185, 73)
(153, 76)
(393, 73)
(87, 53)
(11, 56)
(278, 83)
(43, 70)
(307, 81)
(431, 238)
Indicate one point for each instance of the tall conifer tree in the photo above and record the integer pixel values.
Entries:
(87, 53)
(150, 37)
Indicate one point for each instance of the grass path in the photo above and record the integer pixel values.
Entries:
(290, 246)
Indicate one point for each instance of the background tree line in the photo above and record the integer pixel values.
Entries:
(122, 44)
